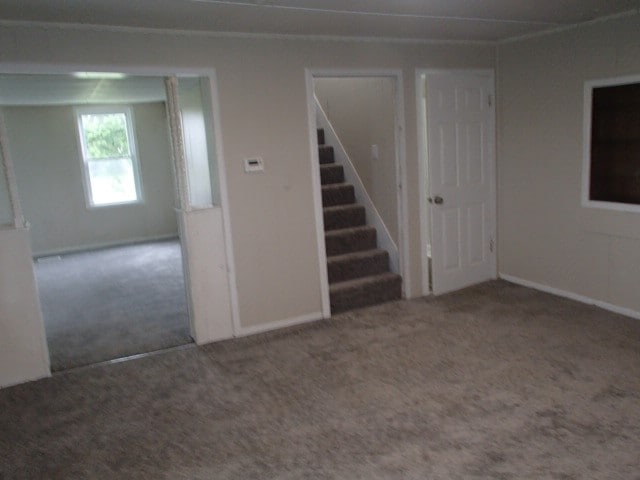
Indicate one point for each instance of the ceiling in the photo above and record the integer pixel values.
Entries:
(38, 89)
(445, 20)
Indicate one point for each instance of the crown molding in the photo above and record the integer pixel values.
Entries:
(239, 35)
(573, 26)
(336, 11)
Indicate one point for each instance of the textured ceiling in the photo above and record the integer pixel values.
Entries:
(448, 20)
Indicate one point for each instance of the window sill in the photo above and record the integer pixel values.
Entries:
(116, 204)
(611, 206)
(614, 223)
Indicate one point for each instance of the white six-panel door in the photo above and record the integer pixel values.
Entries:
(461, 178)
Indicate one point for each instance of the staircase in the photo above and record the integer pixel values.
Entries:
(358, 271)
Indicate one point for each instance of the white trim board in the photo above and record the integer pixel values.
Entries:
(317, 193)
(224, 199)
(278, 324)
(572, 296)
(425, 231)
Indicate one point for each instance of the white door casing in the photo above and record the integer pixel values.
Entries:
(400, 147)
(461, 181)
(211, 305)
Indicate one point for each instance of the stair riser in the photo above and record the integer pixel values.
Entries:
(350, 242)
(331, 174)
(363, 278)
(344, 218)
(342, 195)
(371, 294)
(325, 153)
(358, 267)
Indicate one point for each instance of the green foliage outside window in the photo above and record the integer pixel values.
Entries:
(109, 159)
(106, 135)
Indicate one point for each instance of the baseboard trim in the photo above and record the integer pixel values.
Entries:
(99, 246)
(572, 296)
(288, 322)
(18, 381)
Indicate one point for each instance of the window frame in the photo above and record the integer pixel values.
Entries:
(127, 110)
(589, 86)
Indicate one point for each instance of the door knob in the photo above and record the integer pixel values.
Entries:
(438, 200)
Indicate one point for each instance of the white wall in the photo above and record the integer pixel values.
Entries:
(23, 349)
(362, 112)
(263, 111)
(44, 147)
(545, 236)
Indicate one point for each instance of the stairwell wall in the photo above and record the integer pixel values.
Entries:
(362, 112)
(263, 110)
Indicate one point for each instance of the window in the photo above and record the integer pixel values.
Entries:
(109, 156)
(612, 145)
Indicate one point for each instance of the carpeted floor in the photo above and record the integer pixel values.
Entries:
(112, 303)
(493, 382)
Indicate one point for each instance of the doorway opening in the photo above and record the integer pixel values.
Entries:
(97, 182)
(355, 121)
(456, 147)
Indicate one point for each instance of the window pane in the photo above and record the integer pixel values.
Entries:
(615, 144)
(112, 181)
(105, 135)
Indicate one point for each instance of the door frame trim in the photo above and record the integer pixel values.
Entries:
(400, 168)
(423, 167)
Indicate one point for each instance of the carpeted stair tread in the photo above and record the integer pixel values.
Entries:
(325, 154)
(338, 194)
(331, 173)
(346, 240)
(363, 281)
(358, 271)
(343, 216)
(357, 264)
(365, 291)
(360, 254)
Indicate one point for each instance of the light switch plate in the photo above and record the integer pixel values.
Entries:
(375, 152)
(253, 165)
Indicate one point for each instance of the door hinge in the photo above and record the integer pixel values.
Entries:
(490, 100)
(491, 244)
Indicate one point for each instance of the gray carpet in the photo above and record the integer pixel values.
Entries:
(494, 382)
(111, 303)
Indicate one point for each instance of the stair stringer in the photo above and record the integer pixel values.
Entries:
(385, 242)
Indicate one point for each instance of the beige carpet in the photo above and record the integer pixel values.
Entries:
(494, 382)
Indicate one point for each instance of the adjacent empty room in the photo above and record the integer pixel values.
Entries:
(93, 167)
